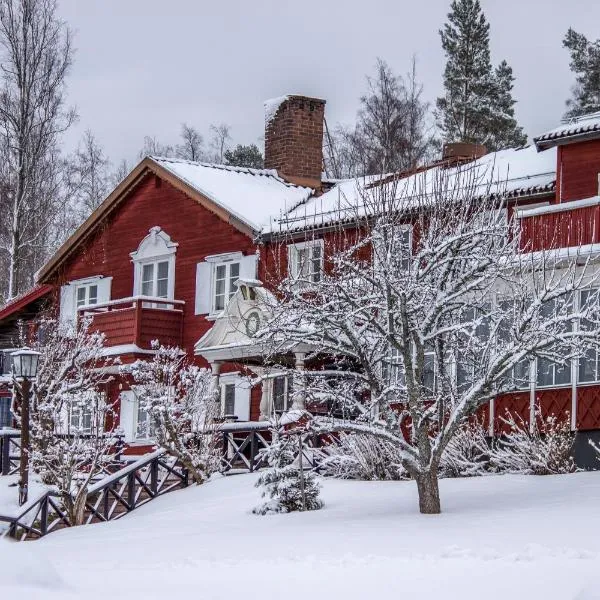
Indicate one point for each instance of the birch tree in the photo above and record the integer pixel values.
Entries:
(428, 306)
(36, 55)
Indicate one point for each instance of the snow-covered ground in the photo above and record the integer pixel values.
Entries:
(504, 537)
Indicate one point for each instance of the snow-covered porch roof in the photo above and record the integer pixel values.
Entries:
(232, 337)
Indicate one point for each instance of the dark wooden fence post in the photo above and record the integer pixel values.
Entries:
(253, 444)
(44, 517)
(131, 490)
(5, 454)
(154, 476)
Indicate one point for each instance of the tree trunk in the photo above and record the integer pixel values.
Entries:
(75, 507)
(429, 493)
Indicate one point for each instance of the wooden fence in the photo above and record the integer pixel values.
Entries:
(114, 496)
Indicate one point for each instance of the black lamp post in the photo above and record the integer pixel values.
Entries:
(24, 365)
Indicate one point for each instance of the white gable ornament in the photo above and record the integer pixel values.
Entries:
(157, 243)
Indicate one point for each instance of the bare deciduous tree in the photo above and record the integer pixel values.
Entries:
(36, 57)
(220, 136)
(180, 401)
(192, 144)
(69, 444)
(428, 307)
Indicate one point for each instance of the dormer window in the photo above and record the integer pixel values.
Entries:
(154, 267)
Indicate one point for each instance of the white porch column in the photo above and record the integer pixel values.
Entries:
(299, 383)
(266, 408)
(215, 368)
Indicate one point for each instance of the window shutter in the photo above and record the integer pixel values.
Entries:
(67, 306)
(248, 267)
(127, 414)
(203, 288)
(104, 285)
(242, 400)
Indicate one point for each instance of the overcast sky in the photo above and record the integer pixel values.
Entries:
(143, 67)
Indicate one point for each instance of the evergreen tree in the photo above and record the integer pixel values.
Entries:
(504, 130)
(585, 63)
(281, 482)
(478, 106)
(244, 156)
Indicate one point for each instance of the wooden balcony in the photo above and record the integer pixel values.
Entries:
(137, 321)
(560, 226)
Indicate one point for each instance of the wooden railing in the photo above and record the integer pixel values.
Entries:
(114, 496)
(138, 321)
(242, 445)
(10, 451)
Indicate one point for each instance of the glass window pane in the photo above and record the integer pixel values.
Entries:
(279, 394)
(234, 275)
(163, 270)
(562, 373)
(148, 280)
(81, 296)
(588, 366)
(545, 371)
(93, 297)
(230, 399)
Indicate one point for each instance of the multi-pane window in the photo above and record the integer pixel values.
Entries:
(225, 278)
(229, 399)
(589, 363)
(155, 279)
(393, 370)
(305, 261)
(552, 371)
(80, 419)
(145, 427)
(283, 390)
(518, 377)
(87, 295)
(5, 414)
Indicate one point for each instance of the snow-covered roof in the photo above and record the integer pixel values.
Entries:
(251, 195)
(510, 173)
(573, 128)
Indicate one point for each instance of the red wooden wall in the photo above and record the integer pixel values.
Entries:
(561, 229)
(577, 172)
(198, 232)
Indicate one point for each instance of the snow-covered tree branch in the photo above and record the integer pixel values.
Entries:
(433, 305)
(180, 400)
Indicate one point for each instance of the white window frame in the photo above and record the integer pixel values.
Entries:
(229, 288)
(156, 247)
(148, 433)
(88, 299)
(87, 407)
(306, 278)
(287, 400)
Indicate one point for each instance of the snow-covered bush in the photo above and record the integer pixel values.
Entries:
(359, 456)
(467, 453)
(545, 449)
(285, 487)
(181, 403)
(69, 446)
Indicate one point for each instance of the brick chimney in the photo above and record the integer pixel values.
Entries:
(294, 138)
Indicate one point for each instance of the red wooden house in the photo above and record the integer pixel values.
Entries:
(161, 257)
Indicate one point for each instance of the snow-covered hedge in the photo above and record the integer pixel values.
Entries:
(545, 449)
(467, 454)
(363, 457)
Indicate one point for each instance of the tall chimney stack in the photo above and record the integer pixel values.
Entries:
(294, 138)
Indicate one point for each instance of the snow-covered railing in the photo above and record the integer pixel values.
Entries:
(129, 302)
(10, 451)
(112, 497)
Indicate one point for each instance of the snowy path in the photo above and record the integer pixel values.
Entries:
(500, 537)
